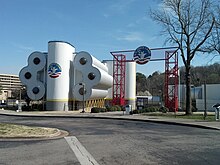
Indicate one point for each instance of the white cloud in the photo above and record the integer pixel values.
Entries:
(139, 22)
(130, 36)
(21, 47)
(121, 5)
(106, 15)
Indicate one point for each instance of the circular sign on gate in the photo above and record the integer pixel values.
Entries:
(142, 55)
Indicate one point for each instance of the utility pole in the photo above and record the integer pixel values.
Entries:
(205, 104)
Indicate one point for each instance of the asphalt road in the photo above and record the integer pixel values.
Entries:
(114, 142)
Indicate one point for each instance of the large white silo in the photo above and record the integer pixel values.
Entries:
(59, 71)
(130, 84)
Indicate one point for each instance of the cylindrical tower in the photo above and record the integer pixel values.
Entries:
(130, 84)
(60, 57)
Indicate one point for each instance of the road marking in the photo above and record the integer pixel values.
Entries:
(84, 157)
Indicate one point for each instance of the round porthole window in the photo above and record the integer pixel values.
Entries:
(83, 61)
(91, 76)
(35, 90)
(27, 75)
(36, 61)
(82, 91)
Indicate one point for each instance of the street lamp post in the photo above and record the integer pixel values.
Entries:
(205, 103)
(160, 95)
(82, 92)
(205, 99)
(19, 103)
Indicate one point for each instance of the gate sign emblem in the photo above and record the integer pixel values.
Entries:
(54, 70)
(142, 55)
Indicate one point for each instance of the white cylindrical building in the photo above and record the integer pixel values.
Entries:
(59, 71)
(130, 84)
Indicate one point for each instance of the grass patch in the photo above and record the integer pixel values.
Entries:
(12, 130)
(198, 117)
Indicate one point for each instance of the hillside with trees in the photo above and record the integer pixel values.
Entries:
(200, 74)
(154, 83)
(151, 85)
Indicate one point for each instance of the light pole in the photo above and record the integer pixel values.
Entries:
(20, 92)
(205, 99)
(205, 103)
(19, 104)
(160, 95)
(82, 92)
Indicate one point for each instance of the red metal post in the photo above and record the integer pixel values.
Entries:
(171, 80)
(119, 79)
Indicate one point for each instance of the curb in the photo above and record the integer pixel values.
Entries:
(60, 134)
(195, 125)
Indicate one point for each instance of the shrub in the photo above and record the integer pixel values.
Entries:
(38, 107)
(113, 108)
(150, 109)
(108, 108)
(117, 107)
(26, 108)
(164, 110)
(97, 110)
(135, 111)
(102, 109)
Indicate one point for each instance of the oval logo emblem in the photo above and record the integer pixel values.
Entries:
(142, 55)
(54, 70)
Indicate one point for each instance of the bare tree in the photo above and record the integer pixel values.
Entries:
(214, 41)
(187, 23)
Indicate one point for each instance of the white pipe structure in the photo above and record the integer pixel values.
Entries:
(94, 75)
(31, 75)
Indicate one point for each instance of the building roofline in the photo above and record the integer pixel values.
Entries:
(8, 75)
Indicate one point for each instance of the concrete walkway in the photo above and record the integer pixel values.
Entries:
(118, 115)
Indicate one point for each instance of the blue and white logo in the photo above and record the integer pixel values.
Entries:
(142, 55)
(54, 70)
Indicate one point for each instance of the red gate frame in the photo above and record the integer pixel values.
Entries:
(171, 73)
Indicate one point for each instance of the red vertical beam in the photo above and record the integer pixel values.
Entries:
(176, 81)
(171, 80)
(166, 84)
(119, 79)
